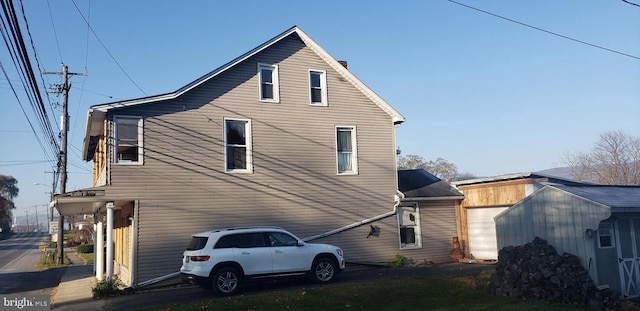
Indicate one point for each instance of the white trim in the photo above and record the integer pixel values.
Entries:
(323, 87)
(140, 141)
(611, 235)
(354, 153)
(417, 229)
(275, 83)
(248, 144)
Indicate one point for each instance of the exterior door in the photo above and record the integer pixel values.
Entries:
(483, 243)
(628, 238)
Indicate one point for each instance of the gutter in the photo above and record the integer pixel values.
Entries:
(398, 197)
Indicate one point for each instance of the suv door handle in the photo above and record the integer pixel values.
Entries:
(279, 251)
(245, 253)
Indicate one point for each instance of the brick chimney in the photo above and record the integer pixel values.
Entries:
(343, 63)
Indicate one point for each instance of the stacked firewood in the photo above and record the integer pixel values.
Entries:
(536, 271)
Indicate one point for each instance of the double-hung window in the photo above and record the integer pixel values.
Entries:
(128, 140)
(605, 235)
(346, 150)
(269, 91)
(237, 143)
(409, 227)
(317, 87)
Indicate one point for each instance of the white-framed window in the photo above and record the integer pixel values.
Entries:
(128, 140)
(346, 150)
(317, 87)
(605, 235)
(237, 146)
(268, 90)
(409, 227)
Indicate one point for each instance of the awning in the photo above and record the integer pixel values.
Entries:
(86, 201)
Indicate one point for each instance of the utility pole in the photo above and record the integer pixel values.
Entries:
(62, 161)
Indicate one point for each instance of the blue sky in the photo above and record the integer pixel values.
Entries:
(492, 96)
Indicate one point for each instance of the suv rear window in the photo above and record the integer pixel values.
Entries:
(197, 243)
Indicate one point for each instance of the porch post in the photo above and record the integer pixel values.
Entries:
(99, 242)
(109, 240)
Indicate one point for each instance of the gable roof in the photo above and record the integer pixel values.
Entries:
(618, 198)
(420, 184)
(97, 113)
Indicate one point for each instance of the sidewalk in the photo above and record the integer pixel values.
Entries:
(74, 291)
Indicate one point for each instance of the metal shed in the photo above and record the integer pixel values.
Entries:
(599, 224)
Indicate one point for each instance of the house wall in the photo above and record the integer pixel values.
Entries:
(557, 217)
(182, 187)
(437, 224)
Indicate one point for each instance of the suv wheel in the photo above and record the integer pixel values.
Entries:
(323, 270)
(226, 281)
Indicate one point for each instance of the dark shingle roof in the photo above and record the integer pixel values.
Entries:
(418, 183)
(612, 196)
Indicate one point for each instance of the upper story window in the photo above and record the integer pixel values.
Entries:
(317, 87)
(269, 91)
(346, 153)
(237, 143)
(128, 140)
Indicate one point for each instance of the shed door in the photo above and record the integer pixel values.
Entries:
(482, 232)
(628, 235)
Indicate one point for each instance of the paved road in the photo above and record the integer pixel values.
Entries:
(18, 256)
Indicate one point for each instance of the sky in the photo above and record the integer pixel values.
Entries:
(491, 95)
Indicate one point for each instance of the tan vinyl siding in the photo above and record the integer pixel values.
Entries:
(438, 224)
(182, 187)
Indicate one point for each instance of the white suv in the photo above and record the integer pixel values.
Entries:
(222, 259)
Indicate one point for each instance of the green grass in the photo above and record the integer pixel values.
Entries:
(49, 260)
(88, 258)
(429, 293)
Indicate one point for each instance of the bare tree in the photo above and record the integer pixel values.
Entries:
(613, 160)
(441, 168)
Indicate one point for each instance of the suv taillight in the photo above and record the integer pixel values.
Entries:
(199, 258)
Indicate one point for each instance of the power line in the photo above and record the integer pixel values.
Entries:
(55, 35)
(12, 35)
(546, 31)
(625, 1)
(105, 48)
(33, 47)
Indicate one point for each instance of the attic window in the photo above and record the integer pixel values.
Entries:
(269, 91)
(317, 88)
(128, 140)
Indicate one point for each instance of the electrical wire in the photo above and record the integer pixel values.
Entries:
(546, 31)
(55, 34)
(107, 50)
(12, 36)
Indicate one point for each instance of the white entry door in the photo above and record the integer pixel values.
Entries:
(628, 238)
(483, 243)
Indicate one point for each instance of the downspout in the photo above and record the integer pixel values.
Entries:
(398, 197)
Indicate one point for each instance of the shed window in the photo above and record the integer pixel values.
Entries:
(605, 235)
